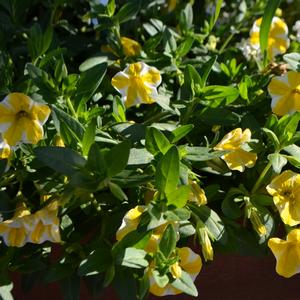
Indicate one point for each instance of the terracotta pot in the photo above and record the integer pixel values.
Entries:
(228, 277)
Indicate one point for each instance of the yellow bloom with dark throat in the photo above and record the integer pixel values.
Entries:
(137, 84)
(287, 253)
(22, 119)
(237, 158)
(285, 189)
(285, 93)
(278, 41)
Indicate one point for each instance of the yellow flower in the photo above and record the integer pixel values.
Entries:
(130, 47)
(189, 262)
(285, 93)
(278, 41)
(237, 158)
(137, 84)
(130, 221)
(5, 150)
(197, 194)
(287, 253)
(46, 226)
(14, 231)
(285, 189)
(204, 240)
(22, 119)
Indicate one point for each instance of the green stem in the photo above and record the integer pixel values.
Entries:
(159, 116)
(261, 177)
(71, 107)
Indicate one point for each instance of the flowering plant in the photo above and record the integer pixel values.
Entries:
(138, 138)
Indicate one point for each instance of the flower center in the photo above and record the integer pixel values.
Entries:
(296, 90)
(289, 194)
(22, 114)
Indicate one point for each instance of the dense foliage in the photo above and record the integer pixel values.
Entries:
(139, 137)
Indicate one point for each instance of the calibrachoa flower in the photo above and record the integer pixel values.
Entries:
(197, 194)
(5, 150)
(285, 189)
(137, 84)
(22, 119)
(206, 247)
(35, 228)
(131, 221)
(14, 231)
(285, 93)
(189, 262)
(287, 253)
(46, 225)
(237, 158)
(278, 41)
(130, 46)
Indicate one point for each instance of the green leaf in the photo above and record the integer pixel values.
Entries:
(206, 69)
(230, 208)
(139, 157)
(185, 284)
(110, 7)
(117, 158)
(184, 47)
(192, 83)
(219, 116)
(133, 258)
(127, 12)
(168, 241)
(75, 128)
(269, 13)
(215, 95)
(212, 222)
(88, 83)
(273, 138)
(167, 173)
(88, 137)
(179, 197)
(201, 153)
(97, 261)
(278, 161)
(180, 132)
(215, 16)
(92, 62)
(156, 142)
(96, 160)
(117, 191)
(62, 160)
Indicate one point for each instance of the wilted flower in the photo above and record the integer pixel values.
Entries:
(296, 28)
(22, 119)
(278, 41)
(189, 262)
(237, 158)
(137, 84)
(285, 189)
(130, 46)
(197, 194)
(285, 93)
(287, 253)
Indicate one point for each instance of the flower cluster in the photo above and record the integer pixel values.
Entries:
(35, 228)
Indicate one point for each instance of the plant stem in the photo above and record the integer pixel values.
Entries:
(261, 177)
(71, 107)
